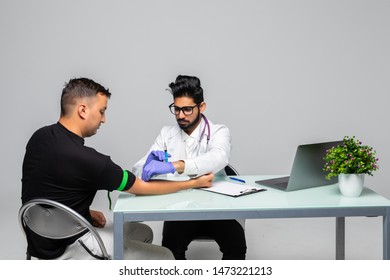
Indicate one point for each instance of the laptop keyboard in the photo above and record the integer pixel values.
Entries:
(282, 185)
(277, 183)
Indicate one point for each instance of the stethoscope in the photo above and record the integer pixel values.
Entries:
(206, 125)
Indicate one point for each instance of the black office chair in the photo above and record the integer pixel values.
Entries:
(230, 171)
(46, 222)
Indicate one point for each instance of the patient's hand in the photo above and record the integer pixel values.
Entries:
(205, 181)
(98, 219)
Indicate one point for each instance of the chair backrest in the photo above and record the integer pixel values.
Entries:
(52, 220)
(230, 171)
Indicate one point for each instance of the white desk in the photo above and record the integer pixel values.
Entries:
(202, 205)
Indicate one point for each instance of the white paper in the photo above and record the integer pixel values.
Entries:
(232, 189)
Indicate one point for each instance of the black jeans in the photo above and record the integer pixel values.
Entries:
(229, 235)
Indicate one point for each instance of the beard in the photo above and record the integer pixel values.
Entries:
(187, 125)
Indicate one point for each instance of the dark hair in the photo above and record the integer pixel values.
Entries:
(188, 86)
(80, 88)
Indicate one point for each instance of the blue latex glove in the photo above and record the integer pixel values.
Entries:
(156, 155)
(155, 167)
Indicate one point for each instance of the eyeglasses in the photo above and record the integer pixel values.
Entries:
(187, 110)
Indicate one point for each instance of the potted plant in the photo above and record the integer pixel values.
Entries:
(350, 162)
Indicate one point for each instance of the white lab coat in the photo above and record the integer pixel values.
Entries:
(200, 156)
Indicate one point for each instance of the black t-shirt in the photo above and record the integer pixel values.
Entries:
(58, 166)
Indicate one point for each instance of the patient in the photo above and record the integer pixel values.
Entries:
(58, 166)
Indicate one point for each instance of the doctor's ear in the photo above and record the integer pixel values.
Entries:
(202, 107)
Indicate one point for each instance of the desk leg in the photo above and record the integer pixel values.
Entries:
(386, 235)
(340, 238)
(118, 236)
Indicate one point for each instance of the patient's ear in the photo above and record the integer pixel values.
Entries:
(82, 111)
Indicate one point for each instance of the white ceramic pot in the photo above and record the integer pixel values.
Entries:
(351, 185)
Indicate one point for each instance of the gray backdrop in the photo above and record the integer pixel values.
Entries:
(278, 73)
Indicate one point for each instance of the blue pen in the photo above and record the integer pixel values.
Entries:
(166, 152)
(236, 179)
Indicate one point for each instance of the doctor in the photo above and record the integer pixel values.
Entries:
(195, 146)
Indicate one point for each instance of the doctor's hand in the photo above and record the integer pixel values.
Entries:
(155, 167)
(156, 155)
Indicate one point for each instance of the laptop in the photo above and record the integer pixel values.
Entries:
(306, 171)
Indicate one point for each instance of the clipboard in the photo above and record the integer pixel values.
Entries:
(232, 189)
